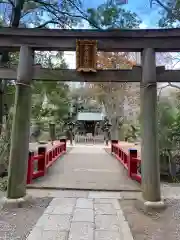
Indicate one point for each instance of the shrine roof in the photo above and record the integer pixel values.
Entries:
(90, 116)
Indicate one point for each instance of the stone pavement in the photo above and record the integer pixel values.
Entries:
(88, 215)
(87, 167)
(82, 215)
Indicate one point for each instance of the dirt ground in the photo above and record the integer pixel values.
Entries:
(157, 226)
(16, 223)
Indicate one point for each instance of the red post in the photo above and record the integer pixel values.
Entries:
(65, 144)
(30, 167)
(132, 163)
(42, 162)
(113, 142)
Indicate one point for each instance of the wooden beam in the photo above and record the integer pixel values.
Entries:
(169, 76)
(112, 40)
(67, 75)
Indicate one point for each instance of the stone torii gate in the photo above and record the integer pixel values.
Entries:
(145, 41)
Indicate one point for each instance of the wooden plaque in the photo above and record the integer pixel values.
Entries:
(86, 55)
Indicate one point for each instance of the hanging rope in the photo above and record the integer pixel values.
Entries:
(23, 84)
(147, 85)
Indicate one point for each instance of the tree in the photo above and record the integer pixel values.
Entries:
(55, 94)
(169, 136)
(38, 14)
(170, 11)
(42, 13)
(110, 15)
(112, 95)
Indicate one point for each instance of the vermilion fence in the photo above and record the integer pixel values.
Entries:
(129, 160)
(38, 164)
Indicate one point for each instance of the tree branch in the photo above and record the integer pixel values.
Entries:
(53, 10)
(173, 85)
(8, 2)
(162, 5)
(46, 23)
(166, 8)
(84, 16)
(160, 91)
(11, 2)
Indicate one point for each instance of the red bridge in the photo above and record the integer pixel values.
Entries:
(85, 167)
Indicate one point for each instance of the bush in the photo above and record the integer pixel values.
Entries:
(131, 132)
(3, 184)
(169, 138)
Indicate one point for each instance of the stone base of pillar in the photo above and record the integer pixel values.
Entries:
(150, 207)
(15, 203)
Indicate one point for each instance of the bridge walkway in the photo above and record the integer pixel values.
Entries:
(87, 167)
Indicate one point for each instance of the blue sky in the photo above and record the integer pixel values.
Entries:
(141, 7)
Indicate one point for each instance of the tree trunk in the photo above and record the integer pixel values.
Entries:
(52, 131)
(114, 129)
(1, 105)
(113, 113)
(14, 23)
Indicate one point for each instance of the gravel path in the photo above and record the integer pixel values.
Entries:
(16, 223)
(157, 226)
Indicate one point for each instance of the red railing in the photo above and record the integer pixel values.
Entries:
(43, 160)
(129, 160)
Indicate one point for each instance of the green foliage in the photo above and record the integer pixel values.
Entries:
(167, 120)
(55, 94)
(131, 132)
(5, 138)
(42, 13)
(3, 184)
(9, 94)
(169, 136)
(170, 12)
(176, 129)
(110, 16)
(57, 102)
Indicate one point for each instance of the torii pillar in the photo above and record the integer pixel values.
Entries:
(17, 173)
(149, 145)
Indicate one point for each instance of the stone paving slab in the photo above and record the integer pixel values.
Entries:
(87, 167)
(39, 233)
(81, 230)
(54, 222)
(168, 191)
(83, 215)
(98, 196)
(107, 222)
(104, 209)
(84, 203)
(91, 219)
(107, 235)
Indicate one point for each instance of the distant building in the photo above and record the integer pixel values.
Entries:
(88, 120)
(90, 116)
